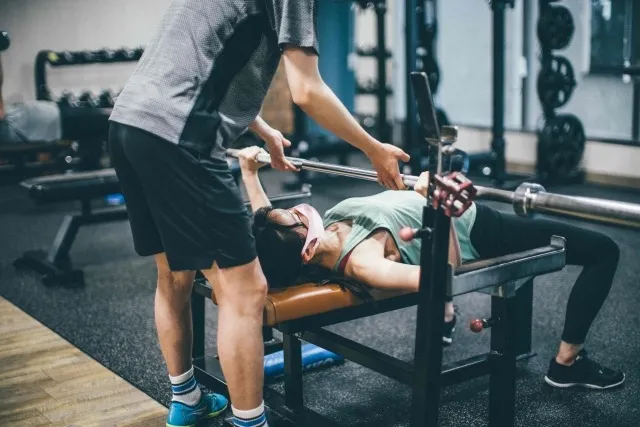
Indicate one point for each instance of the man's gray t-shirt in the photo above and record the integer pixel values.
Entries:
(204, 76)
(31, 121)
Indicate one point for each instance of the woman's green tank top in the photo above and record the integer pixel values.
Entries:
(394, 210)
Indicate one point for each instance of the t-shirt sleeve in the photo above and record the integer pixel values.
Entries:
(294, 22)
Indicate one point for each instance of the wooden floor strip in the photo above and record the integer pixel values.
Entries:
(46, 381)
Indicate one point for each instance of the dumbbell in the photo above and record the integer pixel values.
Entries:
(69, 58)
(87, 100)
(106, 55)
(67, 100)
(138, 52)
(129, 54)
(105, 99)
(88, 57)
(5, 41)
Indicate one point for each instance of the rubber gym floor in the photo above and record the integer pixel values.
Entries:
(111, 319)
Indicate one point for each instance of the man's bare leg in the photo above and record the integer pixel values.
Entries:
(173, 316)
(240, 293)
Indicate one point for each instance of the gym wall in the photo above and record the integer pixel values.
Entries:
(36, 25)
(464, 50)
(603, 103)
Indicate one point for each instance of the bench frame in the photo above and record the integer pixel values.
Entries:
(511, 309)
(510, 342)
(55, 266)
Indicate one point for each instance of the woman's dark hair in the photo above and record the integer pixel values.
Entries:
(279, 250)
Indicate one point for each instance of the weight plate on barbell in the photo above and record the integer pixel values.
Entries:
(556, 82)
(561, 145)
(555, 27)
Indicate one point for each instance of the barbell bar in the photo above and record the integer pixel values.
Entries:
(527, 199)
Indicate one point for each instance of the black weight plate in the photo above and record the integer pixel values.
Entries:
(555, 27)
(556, 82)
(561, 145)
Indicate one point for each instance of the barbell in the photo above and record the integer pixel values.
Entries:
(527, 199)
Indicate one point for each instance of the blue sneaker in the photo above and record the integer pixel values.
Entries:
(181, 415)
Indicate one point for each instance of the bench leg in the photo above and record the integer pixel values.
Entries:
(59, 252)
(524, 318)
(502, 362)
(197, 317)
(292, 349)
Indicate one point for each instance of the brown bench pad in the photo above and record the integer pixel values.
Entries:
(310, 299)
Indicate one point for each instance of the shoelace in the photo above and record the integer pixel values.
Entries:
(590, 363)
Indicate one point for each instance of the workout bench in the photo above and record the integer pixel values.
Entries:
(301, 313)
(55, 266)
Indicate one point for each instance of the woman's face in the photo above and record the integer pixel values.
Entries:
(291, 218)
(306, 222)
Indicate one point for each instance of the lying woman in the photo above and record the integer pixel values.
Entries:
(359, 239)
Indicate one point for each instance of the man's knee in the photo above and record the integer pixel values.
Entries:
(243, 288)
(173, 282)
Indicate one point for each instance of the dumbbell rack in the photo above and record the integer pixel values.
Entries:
(68, 58)
(562, 139)
(377, 88)
(420, 34)
(492, 163)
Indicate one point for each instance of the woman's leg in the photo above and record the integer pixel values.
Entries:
(596, 252)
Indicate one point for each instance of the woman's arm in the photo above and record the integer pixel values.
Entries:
(455, 255)
(384, 274)
(249, 169)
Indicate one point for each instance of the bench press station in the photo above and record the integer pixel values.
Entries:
(301, 312)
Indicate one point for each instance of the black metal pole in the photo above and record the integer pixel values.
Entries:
(430, 321)
(635, 124)
(634, 42)
(527, 7)
(198, 319)
(412, 133)
(498, 142)
(383, 128)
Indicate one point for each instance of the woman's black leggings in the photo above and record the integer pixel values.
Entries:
(497, 233)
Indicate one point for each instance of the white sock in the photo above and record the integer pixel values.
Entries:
(250, 418)
(185, 388)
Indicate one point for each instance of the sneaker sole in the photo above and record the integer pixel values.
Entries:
(589, 386)
(209, 415)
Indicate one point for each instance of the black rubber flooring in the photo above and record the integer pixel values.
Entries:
(111, 319)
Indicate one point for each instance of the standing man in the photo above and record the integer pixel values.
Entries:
(200, 85)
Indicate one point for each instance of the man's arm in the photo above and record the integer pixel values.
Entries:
(315, 98)
(276, 143)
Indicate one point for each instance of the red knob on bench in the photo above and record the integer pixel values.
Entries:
(477, 325)
(407, 234)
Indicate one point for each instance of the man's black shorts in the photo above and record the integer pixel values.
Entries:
(180, 202)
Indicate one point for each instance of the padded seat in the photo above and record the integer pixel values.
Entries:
(310, 299)
(73, 186)
(33, 147)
